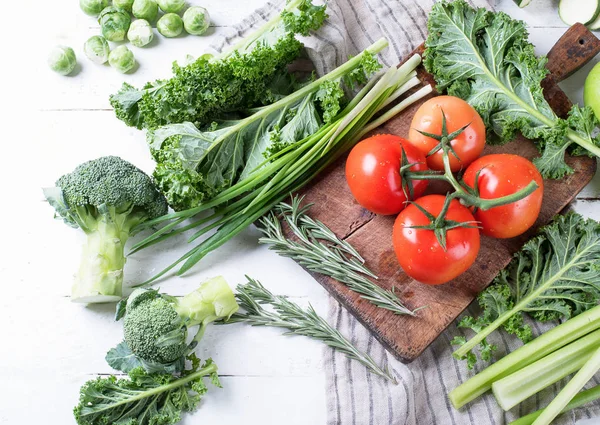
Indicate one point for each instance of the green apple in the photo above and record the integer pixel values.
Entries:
(591, 90)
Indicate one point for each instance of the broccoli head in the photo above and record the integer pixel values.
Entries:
(106, 198)
(155, 325)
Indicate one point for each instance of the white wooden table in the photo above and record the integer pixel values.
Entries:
(50, 123)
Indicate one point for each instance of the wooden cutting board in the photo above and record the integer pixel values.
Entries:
(406, 337)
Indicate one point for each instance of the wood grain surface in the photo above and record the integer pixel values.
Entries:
(406, 337)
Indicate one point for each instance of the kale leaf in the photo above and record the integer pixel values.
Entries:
(143, 399)
(238, 79)
(556, 275)
(485, 58)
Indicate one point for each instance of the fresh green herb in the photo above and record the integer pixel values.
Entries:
(569, 391)
(298, 321)
(545, 344)
(579, 400)
(515, 388)
(485, 58)
(156, 326)
(106, 198)
(273, 178)
(237, 79)
(555, 275)
(319, 250)
(144, 399)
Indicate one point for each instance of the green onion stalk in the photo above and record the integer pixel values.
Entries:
(294, 166)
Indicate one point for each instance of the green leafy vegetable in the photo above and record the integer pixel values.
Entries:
(544, 345)
(485, 58)
(106, 198)
(318, 249)
(285, 314)
(293, 165)
(144, 399)
(232, 81)
(555, 275)
(156, 326)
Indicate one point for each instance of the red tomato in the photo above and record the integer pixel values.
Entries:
(468, 145)
(373, 173)
(501, 175)
(419, 251)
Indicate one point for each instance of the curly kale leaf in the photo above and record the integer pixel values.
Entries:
(143, 399)
(210, 86)
(193, 165)
(556, 275)
(485, 58)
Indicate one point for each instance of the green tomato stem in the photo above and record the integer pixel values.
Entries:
(461, 193)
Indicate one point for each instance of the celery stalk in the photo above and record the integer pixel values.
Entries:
(570, 390)
(515, 388)
(579, 400)
(540, 347)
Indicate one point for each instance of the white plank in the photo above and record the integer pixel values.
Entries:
(250, 400)
(277, 379)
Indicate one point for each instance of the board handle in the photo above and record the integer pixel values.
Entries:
(574, 49)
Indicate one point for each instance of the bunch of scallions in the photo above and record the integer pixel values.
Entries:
(290, 168)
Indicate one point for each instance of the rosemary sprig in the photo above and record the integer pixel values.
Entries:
(288, 315)
(318, 249)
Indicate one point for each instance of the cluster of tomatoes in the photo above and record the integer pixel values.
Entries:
(437, 237)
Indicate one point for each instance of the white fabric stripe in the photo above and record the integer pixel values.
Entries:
(420, 398)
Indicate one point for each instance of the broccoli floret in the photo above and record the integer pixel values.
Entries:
(106, 198)
(145, 324)
(156, 325)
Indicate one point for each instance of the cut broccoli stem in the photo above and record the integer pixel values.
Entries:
(212, 300)
(100, 276)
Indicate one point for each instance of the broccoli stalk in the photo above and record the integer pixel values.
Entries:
(156, 326)
(106, 198)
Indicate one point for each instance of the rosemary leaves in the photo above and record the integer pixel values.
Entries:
(318, 249)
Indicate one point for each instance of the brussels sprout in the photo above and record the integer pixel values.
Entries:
(140, 33)
(114, 22)
(93, 7)
(123, 4)
(122, 59)
(97, 49)
(196, 20)
(171, 6)
(62, 60)
(170, 25)
(145, 9)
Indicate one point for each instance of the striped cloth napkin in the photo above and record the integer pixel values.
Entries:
(354, 396)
